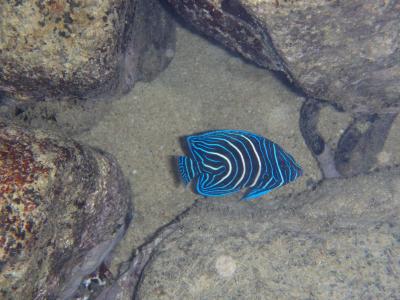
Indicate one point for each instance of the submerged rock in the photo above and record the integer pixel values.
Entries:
(328, 48)
(63, 207)
(80, 49)
(340, 241)
(357, 148)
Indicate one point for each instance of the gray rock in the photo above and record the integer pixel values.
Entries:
(344, 52)
(357, 149)
(340, 241)
(390, 154)
(81, 49)
(360, 145)
(64, 207)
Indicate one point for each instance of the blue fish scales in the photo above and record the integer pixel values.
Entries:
(226, 161)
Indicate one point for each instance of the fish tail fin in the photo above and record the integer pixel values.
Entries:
(186, 168)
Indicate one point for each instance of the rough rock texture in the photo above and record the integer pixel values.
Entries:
(340, 241)
(63, 207)
(346, 52)
(352, 151)
(390, 153)
(75, 49)
(359, 146)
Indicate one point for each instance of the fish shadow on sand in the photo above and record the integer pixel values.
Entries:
(173, 162)
(173, 166)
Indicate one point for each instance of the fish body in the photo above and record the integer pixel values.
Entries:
(225, 161)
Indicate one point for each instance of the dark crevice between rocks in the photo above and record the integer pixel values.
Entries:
(131, 273)
(290, 85)
(309, 116)
(148, 43)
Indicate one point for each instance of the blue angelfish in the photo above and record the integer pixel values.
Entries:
(226, 161)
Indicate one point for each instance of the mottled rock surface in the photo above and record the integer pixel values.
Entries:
(337, 242)
(345, 52)
(75, 49)
(63, 207)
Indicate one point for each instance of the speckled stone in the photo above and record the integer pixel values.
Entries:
(345, 52)
(63, 207)
(340, 241)
(79, 49)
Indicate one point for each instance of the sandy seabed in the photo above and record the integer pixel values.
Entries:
(204, 88)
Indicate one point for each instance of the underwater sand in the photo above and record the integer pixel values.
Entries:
(204, 88)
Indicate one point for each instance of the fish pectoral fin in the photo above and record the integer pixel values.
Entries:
(255, 193)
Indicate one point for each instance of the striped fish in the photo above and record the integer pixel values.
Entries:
(226, 161)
